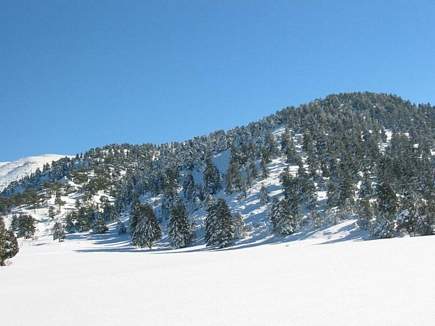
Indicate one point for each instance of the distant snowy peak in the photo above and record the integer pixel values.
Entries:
(13, 171)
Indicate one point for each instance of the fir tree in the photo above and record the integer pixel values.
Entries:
(384, 226)
(51, 212)
(121, 228)
(180, 234)
(283, 220)
(99, 226)
(8, 243)
(58, 232)
(219, 225)
(189, 187)
(147, 230)
(233, 177)
(264, 196)
(212, 178)
(26, 227)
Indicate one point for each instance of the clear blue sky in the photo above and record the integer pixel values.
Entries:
(80, 74)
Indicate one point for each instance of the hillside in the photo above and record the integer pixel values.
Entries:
(360, 156)
(16, 170)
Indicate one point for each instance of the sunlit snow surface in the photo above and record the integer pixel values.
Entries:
(329, 277)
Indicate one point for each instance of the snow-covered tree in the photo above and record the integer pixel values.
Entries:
(58, 231)
(179, 231)
(264, 196)
(8, 243)
(121, 228)
(99, 226)
(219, 225)
(284, 222)
(147, 230)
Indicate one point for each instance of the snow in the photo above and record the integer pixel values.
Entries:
(329, 277)
(13, 171)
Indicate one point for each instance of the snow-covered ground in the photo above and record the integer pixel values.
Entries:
(13, 171)
(329, 277)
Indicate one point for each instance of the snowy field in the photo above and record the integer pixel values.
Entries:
(330, 277)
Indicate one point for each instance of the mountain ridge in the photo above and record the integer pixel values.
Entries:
(325, 151)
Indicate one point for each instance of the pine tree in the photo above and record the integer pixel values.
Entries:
(179, 231)
(135, 216)
(264, 196)
(239, 226)
(58, 232)
(365, 213)
(99, 226)
(189, 187)
(8, 243)
(70, 221)
(384, 226)
(147, 230)
(26, 227)
(233, 177)
(212, 180)
(365, 190)
(58, 200)
(219, 225)
(121, 228)
(263, 166)
(15, 223)
(51, 212)
(283, 220)
(333, 193)
(85, 216)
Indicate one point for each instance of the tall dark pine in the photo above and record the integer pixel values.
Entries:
(212, 179)
(58, 232)
(219, 225)
(179, 230)
(8, 243)
(384, 226)
(26, 226)
(283, 220)
(147, 230)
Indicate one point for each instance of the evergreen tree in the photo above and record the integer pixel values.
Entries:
(85, 218)
(212, 180)
(233, 177)
(189, 187)
(147, 230)
(365, 190)
(58, 232)
(15, 223)
(239, 226)
(70, 221)
(264, 196)
(26, 226)
(99, 226)
(384, 226)
(219, 225)
(283, 220)
(263, 167)
(365, 213)
(8, 243)
(179, 231)
(121, 228)
(51, 212)
(333, 194)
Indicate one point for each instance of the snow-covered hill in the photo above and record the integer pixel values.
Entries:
(12, 171)
(328, 277)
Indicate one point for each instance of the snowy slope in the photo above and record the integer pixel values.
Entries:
(12, 171)
(325, 278)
